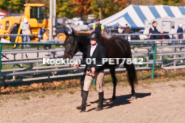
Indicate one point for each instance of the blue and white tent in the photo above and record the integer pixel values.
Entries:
(135, 16)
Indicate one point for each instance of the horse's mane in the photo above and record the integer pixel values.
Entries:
(84, 36)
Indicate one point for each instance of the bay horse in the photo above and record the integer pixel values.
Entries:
(116, 47)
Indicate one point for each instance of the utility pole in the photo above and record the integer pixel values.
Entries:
(52, 19)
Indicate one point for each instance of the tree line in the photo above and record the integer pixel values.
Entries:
(72, 8)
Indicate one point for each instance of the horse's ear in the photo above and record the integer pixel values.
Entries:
(66, 33)
(73, 32)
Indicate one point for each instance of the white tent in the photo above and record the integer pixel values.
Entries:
(135, 16)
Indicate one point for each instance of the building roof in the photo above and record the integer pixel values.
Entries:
(5, 12)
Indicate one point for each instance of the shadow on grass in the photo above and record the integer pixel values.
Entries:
(120, 100)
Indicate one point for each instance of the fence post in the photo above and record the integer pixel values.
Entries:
(153, 67)
(0, 65)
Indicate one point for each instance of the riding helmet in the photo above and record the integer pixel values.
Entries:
(94, 36)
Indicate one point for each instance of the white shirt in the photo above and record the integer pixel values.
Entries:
(120, 30)
(92, 49)
(172, 31)
(78, 29)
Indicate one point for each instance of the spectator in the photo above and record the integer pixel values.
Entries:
(43, 30)
(89, 29)
(14, 31)
(172, 33)
(25, 27)
(153, 30)
(40, 34)
(98, 27)
(78, 28)
(180, 30)
(180, 36)
(120, 30)
(127, 31)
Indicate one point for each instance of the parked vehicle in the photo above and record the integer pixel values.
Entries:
(144, 36)
(165, 24)
(130, 37)
(133, 37)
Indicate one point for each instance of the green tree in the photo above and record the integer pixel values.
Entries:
(82, 7)
(167, 2)
(106, 8)
(65, 8)
(142, 2)
(98, 5)
(4, 4)
(14, 6)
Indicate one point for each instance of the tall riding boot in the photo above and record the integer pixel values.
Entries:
(84, 100)
(82, 85)
(80, 107)
(100, 103)
(82, 90)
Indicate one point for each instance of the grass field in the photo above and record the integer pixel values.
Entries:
(72, 84)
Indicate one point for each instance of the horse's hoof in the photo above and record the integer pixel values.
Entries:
(82, 111)
(133, 97)
(113, 98)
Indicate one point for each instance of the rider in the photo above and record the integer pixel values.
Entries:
(94, 70)
(98, 27)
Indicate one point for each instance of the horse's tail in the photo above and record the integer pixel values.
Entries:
(132, 75)
(131, 71)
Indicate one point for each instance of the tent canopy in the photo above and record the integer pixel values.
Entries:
(135, 16)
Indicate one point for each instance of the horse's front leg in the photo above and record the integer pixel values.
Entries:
(82, 83)
(112, 71)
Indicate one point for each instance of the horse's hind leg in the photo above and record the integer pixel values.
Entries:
(132, 78)
(112, 71)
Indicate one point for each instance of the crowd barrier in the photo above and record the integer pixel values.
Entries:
(25, 64)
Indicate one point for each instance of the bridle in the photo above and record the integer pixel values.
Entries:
(73, 51)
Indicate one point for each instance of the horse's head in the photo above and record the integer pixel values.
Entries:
(70, 44)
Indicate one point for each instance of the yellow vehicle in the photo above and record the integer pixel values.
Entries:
(88, 32)
(36, 17)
